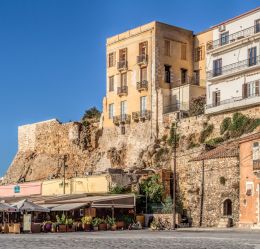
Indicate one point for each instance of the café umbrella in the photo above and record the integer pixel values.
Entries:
(7, 208)
(28, 206)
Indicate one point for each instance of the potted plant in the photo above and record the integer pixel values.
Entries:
(102, 225)
(69, 225)
(112, 223)
(95, 223)
(86, 223)
(62, 227)
(47, 226)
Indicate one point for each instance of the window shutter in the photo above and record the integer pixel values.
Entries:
(114, 58)
(257, 88)
(244, 91)
(214, 98)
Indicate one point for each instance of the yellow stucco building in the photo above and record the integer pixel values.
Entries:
(90, 185)
(153, 70)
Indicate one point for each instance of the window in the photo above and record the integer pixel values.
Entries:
(167, 74)
(142, 104)
(257, 26)
(227, 207)
(197, 77)
(224, 38)
(111, 111)
(123, 55)
(256, 151)
(216, 98)
(111, 59)
(184, 77)
(199, 54)
(167, 48)
(143, 48)
(251, 89)
(217, 67)
(252, 56)
(249, 188)
(143, 73)
(123, 108)
(183, 51)
(111, 83)
(123, 79)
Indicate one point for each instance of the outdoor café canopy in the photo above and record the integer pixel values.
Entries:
(25, 205)
(4, 207)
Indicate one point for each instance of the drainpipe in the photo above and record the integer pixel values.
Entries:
(202, 193)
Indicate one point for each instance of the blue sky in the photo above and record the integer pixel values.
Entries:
(52, 52)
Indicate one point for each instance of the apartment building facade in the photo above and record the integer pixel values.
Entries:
(233, 64)
(150, 73)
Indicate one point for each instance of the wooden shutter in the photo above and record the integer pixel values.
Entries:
(244, 91)
(257, 88)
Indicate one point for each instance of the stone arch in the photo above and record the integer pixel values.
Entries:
(227, 207)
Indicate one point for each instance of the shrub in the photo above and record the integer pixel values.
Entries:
(215, 141)
(92, 113)
(205, 133)
(152, 188)
(167, 205)
(225, 125)
(173, 133)
(118, 190)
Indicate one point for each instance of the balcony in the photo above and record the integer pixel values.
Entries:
(122, 119)
(233, 37)
(189, 80)
(175, 108)
(232, 104)
(122, 65)
(141, 116)
(122, 91)
(234, 67)
(142, 59)
(142, 85)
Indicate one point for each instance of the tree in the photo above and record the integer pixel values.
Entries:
(92, 113)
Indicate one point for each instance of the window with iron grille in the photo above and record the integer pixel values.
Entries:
(111, 59)
(111, 83)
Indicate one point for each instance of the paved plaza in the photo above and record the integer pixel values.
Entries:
(229, 239)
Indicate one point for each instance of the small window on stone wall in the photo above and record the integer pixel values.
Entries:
(249, 188)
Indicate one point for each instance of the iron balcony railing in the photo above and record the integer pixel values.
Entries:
(189, 80)
(256, 165)
(234, 67)
(122, 90)
(231, 100)
(233, 37)
(142, 85)
(142, 59)
(122, 65)
(141, 115)
(122, 119)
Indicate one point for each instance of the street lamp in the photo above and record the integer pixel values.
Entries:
(174, 127)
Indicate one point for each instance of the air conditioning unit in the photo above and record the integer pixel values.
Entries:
(222, 28)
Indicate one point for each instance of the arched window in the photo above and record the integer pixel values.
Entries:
(227, 207)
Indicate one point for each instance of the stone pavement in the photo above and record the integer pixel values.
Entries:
(227, 239)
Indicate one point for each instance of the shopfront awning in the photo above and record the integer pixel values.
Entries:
(67, 207)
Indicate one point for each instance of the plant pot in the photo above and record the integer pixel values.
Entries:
(141, 219)
(120, 224)
(102, 227)
(87, 227)
(95, 228)
(70, 228)
(114, 227)
(62, 228)
(53, 229)
(47, 227)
